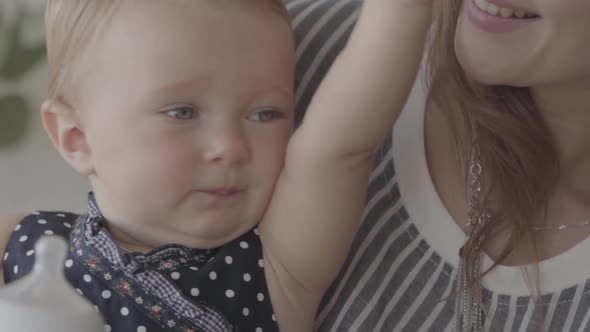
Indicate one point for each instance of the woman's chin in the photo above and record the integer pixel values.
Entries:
(493, 75)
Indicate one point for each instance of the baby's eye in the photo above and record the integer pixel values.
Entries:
(266, 115)
(181, 113)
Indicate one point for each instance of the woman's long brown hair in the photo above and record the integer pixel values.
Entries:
(516, 148)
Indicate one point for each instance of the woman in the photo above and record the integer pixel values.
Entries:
(494, 159)
(505, 109)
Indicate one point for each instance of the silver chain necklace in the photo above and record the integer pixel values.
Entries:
(480, 214)
(469, 314)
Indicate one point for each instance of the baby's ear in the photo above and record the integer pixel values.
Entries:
(64, 127)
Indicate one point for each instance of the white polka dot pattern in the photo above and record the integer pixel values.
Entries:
(230, 278)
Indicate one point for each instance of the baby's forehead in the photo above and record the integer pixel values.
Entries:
(211, 7)
(172, 54)
(169, 40)
(76, 29)
(177, 26)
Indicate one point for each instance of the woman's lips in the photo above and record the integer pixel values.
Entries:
(494, 23)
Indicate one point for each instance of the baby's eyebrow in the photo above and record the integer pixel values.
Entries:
(274, 93)
(183, 84)
(276, 88)
(265, 89)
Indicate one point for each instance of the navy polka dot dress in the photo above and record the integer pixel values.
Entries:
(172, 288)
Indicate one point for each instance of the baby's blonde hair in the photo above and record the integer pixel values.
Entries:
(72, 24)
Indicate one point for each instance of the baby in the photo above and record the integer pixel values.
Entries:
(208, 212)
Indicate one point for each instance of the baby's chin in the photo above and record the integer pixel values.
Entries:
(218, 235)
(199, 232)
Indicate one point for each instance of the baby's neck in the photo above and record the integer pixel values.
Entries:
(127, 242)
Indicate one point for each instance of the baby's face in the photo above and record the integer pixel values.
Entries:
(188, 108)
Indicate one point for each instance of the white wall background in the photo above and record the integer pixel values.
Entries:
(32, 174)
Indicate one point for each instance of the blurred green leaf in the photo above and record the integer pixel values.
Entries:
(18, 59)
(14, 119)
(4, 39)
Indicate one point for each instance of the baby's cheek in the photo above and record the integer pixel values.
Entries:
(279, 149)
(172, 169)
(270, 170)
(154, 173)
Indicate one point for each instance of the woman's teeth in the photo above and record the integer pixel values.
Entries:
(496, 10)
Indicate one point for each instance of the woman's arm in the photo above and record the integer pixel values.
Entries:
(368, 84)
(319, 197)
(7, 225)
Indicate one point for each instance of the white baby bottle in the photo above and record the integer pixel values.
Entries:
(43, 300)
